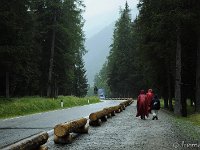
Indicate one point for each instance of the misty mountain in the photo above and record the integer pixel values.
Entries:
(98, 47)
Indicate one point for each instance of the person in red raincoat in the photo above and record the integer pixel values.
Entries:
(150, 96)
(142, 105)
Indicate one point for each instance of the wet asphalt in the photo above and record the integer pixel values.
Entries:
(15, 129)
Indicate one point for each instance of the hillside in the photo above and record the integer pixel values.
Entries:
(98, 49)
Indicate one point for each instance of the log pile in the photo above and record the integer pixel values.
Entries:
(34, 142)
(126, 103)
(98, 117)
(101, 116)
(63, 133)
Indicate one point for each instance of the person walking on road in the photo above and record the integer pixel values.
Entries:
(155, 104)
(150, 96)
(142, 105)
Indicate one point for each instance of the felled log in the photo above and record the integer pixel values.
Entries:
(130, 101)
(34, 142)
(112, 110)
(123, 106)
(83, 129)
(97, 115)
(109, 111)
(127, 102)
(95, 123)
(104, 118)
(64, 129)
(43, 147)
(63, 140)
(118, 108)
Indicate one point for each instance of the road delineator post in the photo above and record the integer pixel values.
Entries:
(63, 133)
(34, 142)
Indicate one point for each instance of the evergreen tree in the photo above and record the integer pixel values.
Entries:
(80, 80)
(119, 60)
(18, 61)
(39, 44)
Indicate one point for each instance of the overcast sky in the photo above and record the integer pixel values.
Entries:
(101, 13)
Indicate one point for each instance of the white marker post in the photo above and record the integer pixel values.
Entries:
(88, 101)
(61, 103)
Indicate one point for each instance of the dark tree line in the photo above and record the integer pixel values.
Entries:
(159, 50)
(41, 48)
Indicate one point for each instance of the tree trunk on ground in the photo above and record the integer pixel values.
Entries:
(197, 101)
(7, 85)
(49, 89)
(30, 143)
(65, 129)
(178, 107)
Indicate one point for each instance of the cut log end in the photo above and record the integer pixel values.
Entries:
(60, 131)
(63, 140)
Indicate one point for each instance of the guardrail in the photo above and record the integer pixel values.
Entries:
(63, 132)
(34, 142)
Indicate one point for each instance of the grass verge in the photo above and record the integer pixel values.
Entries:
(188, 127)
(192, 116)
(29, 105)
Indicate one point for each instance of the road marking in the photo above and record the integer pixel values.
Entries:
(49, 111)
(50, 133)
(40, 113)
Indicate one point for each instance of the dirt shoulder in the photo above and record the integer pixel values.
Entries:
(126, 132)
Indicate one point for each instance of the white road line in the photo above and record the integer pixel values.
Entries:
(50, 133)
(40, 113)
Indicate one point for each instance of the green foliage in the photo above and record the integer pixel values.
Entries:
(26, 41)
(188, 126)
(80, 80)
(29, 105)
(195, 118)
(143, 52)
(156, 26)
(119, 60)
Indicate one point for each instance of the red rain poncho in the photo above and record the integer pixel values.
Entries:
(142, 105)
(149, 96)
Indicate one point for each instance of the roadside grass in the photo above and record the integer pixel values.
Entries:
(188, 127)
(193, 117)
(29, 105)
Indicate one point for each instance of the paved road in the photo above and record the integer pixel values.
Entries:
(126, 132)
(15, 129)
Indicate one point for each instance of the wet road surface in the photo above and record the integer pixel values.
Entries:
(15, 129)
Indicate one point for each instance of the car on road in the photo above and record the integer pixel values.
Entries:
(102, 96)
